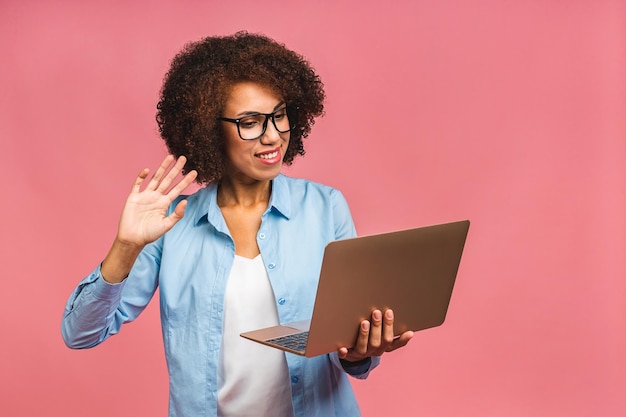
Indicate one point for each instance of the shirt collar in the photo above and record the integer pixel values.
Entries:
(280, 202)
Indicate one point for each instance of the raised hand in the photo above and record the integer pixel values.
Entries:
(144, 217)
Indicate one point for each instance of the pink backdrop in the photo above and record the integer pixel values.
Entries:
(511, 114)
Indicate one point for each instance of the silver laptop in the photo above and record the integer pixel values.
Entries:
(410, 271)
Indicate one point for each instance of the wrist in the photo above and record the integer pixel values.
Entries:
(119, 261)
(124, 245)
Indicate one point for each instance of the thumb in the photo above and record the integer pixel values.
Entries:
(178, 213)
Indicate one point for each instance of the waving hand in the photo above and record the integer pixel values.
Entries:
(144, 217)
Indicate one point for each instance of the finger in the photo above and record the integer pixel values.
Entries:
(139, 180)
(169, 178)
(342, 352)
(158, 175)
(363, 338)
(376, 330)
(388, 327)
(176, 215)
(401, 341)
(182, 184)
(179, 210)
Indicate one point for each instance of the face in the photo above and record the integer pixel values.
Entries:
(260, 159)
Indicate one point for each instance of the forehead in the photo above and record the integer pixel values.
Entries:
(251, 97)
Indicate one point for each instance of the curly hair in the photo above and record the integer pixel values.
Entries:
(197, 85)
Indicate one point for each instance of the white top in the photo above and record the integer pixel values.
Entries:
(253, 379)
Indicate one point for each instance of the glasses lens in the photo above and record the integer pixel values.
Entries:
(281, 120)
(251, 127)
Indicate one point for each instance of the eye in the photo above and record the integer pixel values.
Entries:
(249, 122)
(280, 114)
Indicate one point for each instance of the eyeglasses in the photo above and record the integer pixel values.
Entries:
(253, 126)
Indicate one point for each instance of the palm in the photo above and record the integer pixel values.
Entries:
(144, 218)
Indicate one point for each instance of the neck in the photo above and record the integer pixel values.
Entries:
(233, 193)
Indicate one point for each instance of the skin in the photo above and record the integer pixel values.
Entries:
(243, 196)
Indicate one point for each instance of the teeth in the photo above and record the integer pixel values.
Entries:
(269, 155)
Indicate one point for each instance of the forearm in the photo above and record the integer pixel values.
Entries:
(119, 261)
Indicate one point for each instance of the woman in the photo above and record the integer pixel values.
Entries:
(242, 253)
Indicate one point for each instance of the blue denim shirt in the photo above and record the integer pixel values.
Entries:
(191, 263)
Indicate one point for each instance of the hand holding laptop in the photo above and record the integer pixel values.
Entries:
(375, 337)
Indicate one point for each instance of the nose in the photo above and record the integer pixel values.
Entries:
(271, 135)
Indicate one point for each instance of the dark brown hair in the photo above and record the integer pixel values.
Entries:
(199, 80)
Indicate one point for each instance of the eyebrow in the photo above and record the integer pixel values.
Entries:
(253, 113)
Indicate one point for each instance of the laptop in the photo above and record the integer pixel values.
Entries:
(410, 271)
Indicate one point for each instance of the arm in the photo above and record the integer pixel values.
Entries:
(95, 309)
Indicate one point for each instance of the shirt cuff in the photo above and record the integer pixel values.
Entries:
(105, 290)
(356, 368)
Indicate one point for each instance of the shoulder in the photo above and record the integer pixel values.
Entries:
(311, 201)
(289, 194)
(300, 187)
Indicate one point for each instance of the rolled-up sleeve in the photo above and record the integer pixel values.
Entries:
(97, 309)
(90, 310)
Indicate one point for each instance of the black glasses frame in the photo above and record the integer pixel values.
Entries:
(292, 115)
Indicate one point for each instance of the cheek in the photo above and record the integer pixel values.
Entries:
(233, 145)
(241, 151)
(289, 144)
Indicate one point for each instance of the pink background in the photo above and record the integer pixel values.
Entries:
(509, 113)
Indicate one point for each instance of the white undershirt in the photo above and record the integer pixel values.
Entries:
(253, 379)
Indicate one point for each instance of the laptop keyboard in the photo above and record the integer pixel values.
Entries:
(295, 342)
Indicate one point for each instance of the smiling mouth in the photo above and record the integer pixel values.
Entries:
(269, 155)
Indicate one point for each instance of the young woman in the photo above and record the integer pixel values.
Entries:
(243, 252)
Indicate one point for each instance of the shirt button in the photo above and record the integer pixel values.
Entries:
(281, 301)
(261, 235)
(271, 266)
(295, 379)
